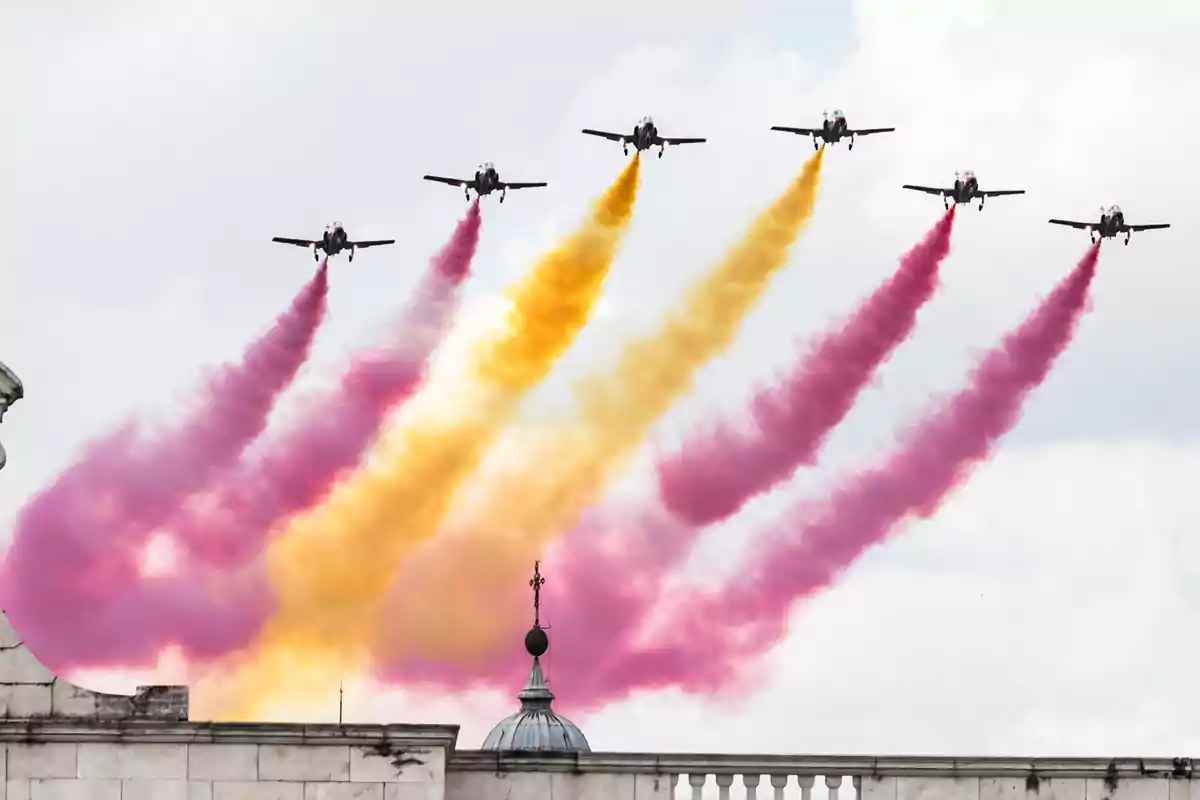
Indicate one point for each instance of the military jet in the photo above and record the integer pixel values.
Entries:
(832, 130)
(644, 136)
(486, 181)
(965, 189)
(333, 241)
(1112, 222)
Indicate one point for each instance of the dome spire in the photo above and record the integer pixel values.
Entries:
(536, 694)
(536, 727)
(536, 641)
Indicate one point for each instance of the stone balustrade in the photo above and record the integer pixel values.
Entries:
(484, 775)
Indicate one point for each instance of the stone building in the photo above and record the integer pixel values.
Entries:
(11, 390)
(63, 742)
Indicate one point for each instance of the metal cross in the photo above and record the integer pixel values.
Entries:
(537, 581)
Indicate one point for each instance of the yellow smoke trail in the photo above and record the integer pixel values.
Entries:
(332, 567)
(560, 473)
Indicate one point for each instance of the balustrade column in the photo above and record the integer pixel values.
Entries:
(697, 784)
(832, 782)
(806, 785)
(724, 781)
(751, 784)
(779, 782)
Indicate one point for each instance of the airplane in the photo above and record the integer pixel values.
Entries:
(832, 130)
(486, 181)
(333, 241)
(644, 136)
(966, 188)
(1112, 222)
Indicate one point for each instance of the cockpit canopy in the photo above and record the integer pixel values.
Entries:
(967, 175)
(336, 225)
(837, 113)
(487, 166)
(1113, 211)
(644, 121)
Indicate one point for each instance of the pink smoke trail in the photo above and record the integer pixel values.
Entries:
(599, 601)
(297, 469)
(708, 638)
(715, 474)
(79, 543)
(718, 471)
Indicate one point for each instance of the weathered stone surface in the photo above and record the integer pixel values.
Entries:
(240, 790)
(43, 760)
(25, 700)
(69, 700)
(303, 763)
(139, 789)
(223, 762)
(17, 665)
(390, 763)
(343, 791)
(142, 761)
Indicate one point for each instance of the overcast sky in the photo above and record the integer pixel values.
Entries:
(1049, 609)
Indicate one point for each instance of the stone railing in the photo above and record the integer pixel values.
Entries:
(628, 775)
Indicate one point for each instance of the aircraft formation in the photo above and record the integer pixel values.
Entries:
(645, 136)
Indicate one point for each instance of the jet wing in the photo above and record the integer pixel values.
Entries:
(801, 131)
(927, 189)
(674, 140)
(521, 185)
(612, 137)
(999, 192)
(297, 242)
(372, 243)
(1082, 226)
(451, 181)
(1155, 227)
(869, 131)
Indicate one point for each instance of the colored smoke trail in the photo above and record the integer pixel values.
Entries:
(722, 468)
(333, 567)
(706, 638)
(645, 545)
(78, 545)
(556, 476)
(298, 469)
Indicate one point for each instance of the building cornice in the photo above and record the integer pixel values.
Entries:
(157, 731)
(844, 765)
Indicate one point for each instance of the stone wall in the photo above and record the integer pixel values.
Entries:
(59, 741)
(320, 768)
(29, 690)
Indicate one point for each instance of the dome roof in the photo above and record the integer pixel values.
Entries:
(536, 728)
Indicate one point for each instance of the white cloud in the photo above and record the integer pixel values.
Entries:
(1047, 608)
